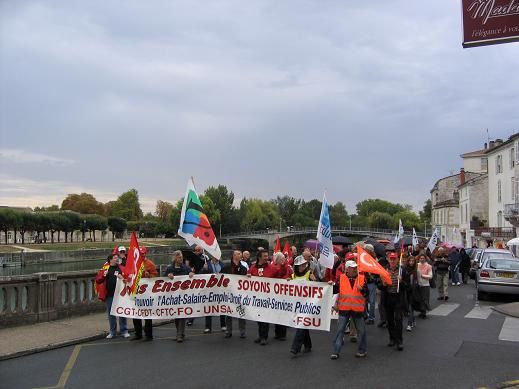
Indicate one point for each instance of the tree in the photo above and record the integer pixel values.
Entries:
(426, 213)
(223, 201)
(73, 223)
(258, 214)
(133, 226)
(28, 223)
(174, 219)
(367, 207)
(95, 223)
(127, 206)
(409, 219)
(163, 210)
(43, 223)
(117, 225)
(339, 215)
(9, 220)
(83, 203)
(52, 208)
(381, 220)
(288, 207)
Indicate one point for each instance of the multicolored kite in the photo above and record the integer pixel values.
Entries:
(194, 224)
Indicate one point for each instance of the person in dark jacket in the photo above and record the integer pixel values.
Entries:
(441, 265)
(455, 258)
(109, 276)
(213, 266)
(178, 268)
(394, 297)
(237, 267)
(464, 266)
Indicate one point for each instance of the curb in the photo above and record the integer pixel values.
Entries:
(54, 346)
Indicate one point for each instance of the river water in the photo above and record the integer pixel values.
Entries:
(158, 259)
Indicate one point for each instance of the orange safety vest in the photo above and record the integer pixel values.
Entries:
(350, 299)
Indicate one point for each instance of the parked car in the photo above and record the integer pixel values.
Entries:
(498, 275)
(479, 255)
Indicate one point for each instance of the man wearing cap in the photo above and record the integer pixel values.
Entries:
(121, 252)
(351, 303)
(394, 297)
(149, 271)
(302, 336)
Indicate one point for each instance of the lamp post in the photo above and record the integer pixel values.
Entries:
(350, 221)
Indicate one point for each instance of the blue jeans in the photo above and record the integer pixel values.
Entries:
(455, 275)
(123, 324)
(411, 318)
(360, 325)
(372, 298)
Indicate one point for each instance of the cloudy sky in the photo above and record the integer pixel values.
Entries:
(363, 99)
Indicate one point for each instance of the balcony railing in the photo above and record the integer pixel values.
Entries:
(495, 232)
(511, 210)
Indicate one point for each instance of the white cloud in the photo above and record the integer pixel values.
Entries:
(24, 156)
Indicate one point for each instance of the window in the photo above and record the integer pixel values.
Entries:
(466, 213)
(499, 191)
(500, 219)
(512, 158)
(499, 164)
(461, 211)
(513, 189)
(484, 164)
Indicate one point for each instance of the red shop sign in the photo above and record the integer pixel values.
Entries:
(488, 22)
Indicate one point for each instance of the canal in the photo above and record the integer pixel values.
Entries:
(158, 259)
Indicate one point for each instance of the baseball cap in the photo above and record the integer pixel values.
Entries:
(349, 255)
(299, 260)
(143, 250)
(121, 248)
(350, 264)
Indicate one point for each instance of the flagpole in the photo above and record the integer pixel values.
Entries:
(400, 267)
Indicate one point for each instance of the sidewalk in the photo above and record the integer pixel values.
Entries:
(22, 340)
(30, 339)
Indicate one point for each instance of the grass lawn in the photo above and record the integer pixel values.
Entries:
(8, 249)
(100, 245)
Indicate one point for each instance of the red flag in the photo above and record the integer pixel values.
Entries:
(277, 249)
(367, 264)
(133, 268)
(286, 249)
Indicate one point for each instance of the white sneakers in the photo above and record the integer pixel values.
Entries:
(109, 336)
(408, 328)
(224, 329)
(126, 335)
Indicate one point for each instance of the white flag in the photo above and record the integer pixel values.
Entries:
(433, 241)
(415, 240)
(324, 236)
(395, 241)
(400, 229)
(194, 224)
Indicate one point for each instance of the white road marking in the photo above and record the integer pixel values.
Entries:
(479, 312)
(510, 330)
(444, 309)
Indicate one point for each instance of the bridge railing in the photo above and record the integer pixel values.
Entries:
(302, 230)
(47, 296)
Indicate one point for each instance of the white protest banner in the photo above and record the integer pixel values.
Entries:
(324, 236)
(433, 241)
(294, 303)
